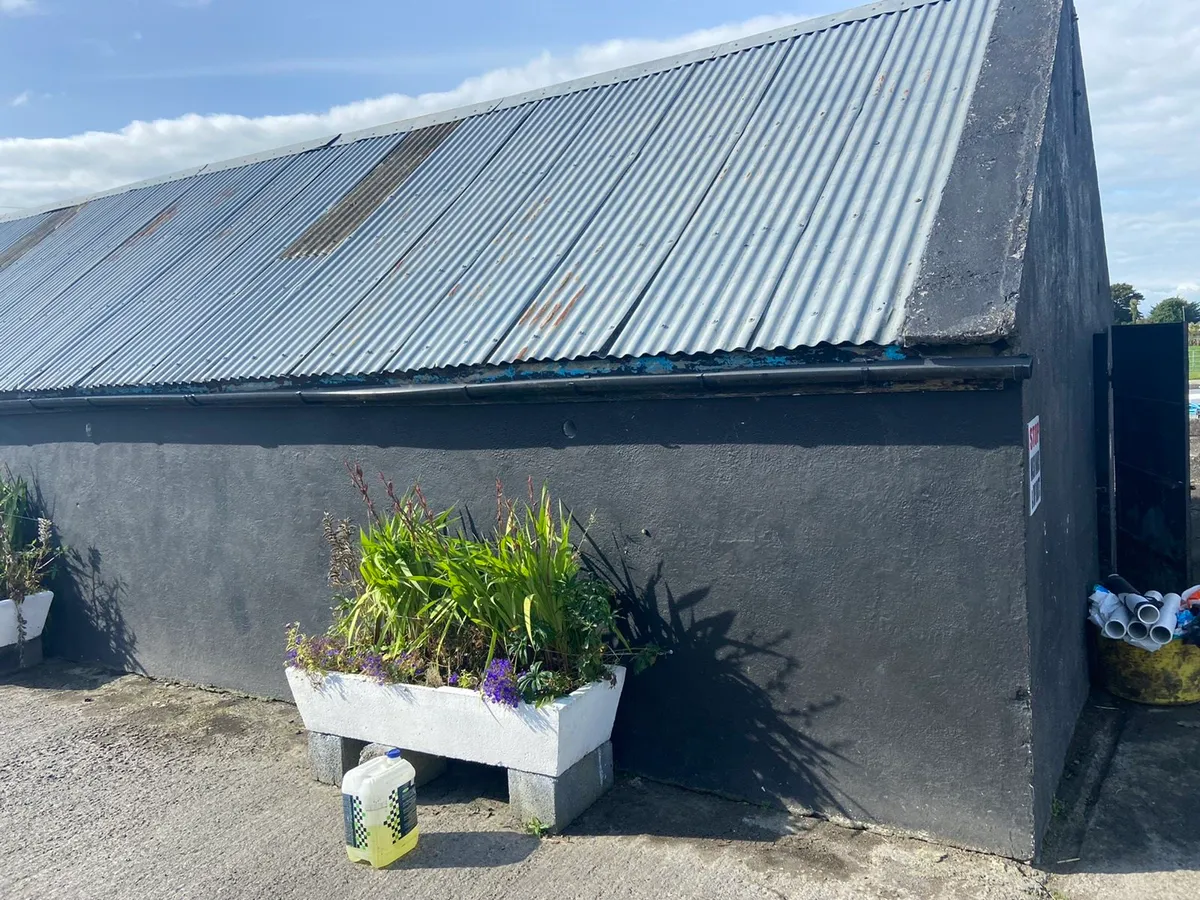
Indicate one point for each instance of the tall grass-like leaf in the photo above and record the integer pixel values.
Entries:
(434, 599)
(529, 615)
(14, 504)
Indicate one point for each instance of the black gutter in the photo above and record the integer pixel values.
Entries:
(600, 387)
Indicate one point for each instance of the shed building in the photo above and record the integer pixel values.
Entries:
(781, 312)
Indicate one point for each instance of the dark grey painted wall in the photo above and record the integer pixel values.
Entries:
(1064, 302)
(840, 578)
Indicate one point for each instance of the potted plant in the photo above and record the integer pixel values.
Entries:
(498, 649)
(26, 555)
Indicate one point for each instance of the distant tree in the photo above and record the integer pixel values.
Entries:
(1175, 309)
(1125, 304)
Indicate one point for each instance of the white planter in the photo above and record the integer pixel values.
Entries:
(34, 610)
(460, 724)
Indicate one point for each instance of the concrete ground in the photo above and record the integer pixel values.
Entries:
(121, 787)
(1127, 817)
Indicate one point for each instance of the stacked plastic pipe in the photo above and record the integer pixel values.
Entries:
(1150, 620)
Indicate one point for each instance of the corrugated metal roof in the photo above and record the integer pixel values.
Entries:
(47, 338)
(25, 239)
(287, 316)
(100, 227)
(623, 247)
(776, 192)
(233, 277)
(13, 230)
(327, 233)
(815, 232)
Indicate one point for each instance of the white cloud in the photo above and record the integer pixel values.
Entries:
(17, 7)
(407, 64)
(1142, 62)
(22, 99)
(36, 171)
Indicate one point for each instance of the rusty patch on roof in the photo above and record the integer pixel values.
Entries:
(47, 227)
(328, 232)
(570, 305)
(153, 225)
(548, 315)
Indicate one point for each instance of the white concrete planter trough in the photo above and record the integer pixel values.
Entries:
(34, 610)
(558, 756)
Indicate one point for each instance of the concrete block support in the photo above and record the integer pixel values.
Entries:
(428, 767)
(12, 661)
(331, 756)
(556, 802)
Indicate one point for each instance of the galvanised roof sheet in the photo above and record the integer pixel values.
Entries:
(775, 192)
(71, 251)
(288, 315)
(48, 338)
(14, 231)
(199, 295)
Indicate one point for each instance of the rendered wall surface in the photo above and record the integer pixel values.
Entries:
(839, 578)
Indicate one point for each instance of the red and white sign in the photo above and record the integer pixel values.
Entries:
(1035, 464)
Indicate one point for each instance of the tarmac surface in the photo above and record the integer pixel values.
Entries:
(123, 787)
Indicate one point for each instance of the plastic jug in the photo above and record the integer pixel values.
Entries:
(379, 803)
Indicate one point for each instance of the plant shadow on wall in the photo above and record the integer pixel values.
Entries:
(728, 698)
(522, 612)
(85, 622)
(89, 625)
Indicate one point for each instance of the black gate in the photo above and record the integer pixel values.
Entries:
(1151, 455)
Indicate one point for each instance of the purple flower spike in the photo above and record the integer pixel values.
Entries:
(500, 684)
(371, 665)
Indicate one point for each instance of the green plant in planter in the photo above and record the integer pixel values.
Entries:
(14, 502)
(27, 553)
(402, 593)
(514, 612)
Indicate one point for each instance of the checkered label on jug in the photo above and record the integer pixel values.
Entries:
(402, 811)
(356, 830)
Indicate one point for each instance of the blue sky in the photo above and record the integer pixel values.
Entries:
(95, 93)
(98, 64)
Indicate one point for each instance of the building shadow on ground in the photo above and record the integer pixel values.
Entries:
(642, 806)
(634, 806)
(59, 675)
(1129, 799)
(468, 850)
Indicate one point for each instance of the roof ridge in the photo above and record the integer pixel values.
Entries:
(587, 82)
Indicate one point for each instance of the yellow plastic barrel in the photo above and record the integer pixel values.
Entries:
(1169, 677)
